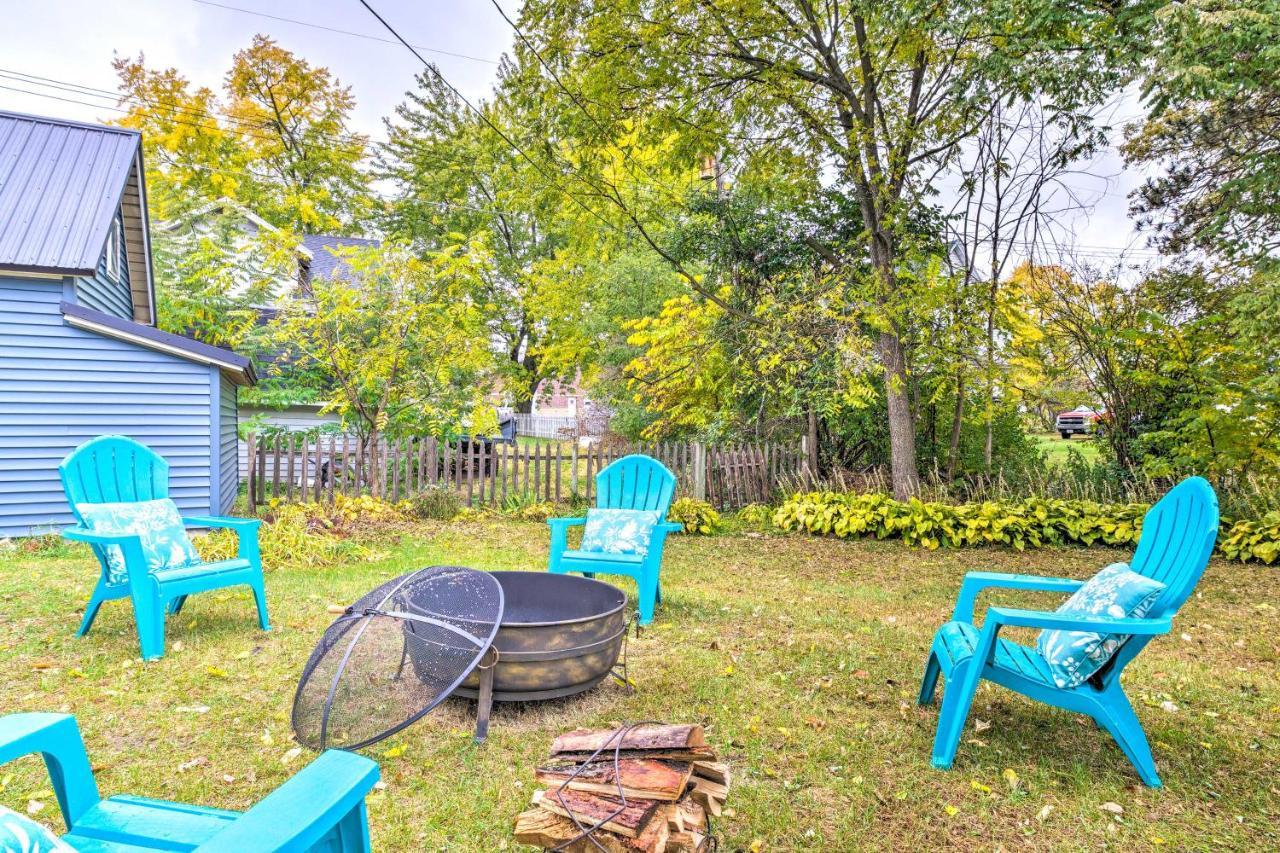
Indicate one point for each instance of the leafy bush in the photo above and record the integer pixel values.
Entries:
(292, 538)
(535, 512)
(1032, 522)
(696, 516)
(437, 502)
(1252, 540)
(756, 515)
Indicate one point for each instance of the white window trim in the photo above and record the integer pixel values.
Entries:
(115, 268)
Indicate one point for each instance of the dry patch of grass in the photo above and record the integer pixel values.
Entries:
(800, 655)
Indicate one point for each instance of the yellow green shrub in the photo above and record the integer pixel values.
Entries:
(1252, 540)
(696, 516)
(1028, 523)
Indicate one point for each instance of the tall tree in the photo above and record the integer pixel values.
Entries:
(880, 94)
(278, 140)
(1213, 127)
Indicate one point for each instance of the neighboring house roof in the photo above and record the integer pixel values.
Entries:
(60, 185)
(326, 253)
(238, 368)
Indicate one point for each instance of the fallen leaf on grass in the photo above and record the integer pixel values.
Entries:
(291, 755)
(217, 672)
(192, 709)
(980, 726)
(952, 811)
(1113, 808)
(1011, 776)
(1044, 813)
(192, 764)
(978, 786)
(336, 608)
(34, 807)
(395, 751)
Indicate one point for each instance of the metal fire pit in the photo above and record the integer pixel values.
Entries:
(559, 635)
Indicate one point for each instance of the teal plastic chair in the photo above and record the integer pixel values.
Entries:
(632, 482)
(113, 468)
(320, 809)
(1178, 535)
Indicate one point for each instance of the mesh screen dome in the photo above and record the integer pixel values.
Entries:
(394, 655)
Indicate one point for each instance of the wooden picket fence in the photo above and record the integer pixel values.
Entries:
(300, 467)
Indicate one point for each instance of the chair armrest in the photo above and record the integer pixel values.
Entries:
(976, 582)
(57, 738)
(1015, 618)
(246, 532)
(301, 811)
(93, 537)
(221, 521)
(671, 526)
(566, 522)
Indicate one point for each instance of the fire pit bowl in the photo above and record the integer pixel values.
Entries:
(559, 635)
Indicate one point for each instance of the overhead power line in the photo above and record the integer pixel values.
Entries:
(353, 34)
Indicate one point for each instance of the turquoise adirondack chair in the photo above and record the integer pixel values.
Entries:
(113, 468)
(319, 809)
(1178, 535)
(633, 482)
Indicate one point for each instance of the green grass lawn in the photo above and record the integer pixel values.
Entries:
(801, 656)
(1056, 447)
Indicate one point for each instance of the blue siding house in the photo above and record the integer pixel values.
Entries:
(79, 352)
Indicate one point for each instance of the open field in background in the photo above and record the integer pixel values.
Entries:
(1056, 447)
(801, 656)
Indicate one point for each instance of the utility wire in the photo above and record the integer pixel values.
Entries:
(315, 26)
(120, 97)
(484, 118)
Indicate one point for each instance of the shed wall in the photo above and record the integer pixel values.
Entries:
(60, 386)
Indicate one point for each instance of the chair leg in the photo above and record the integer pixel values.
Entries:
(589, 575)
(91, 610)
(929, 684)
(260, 598)
(149, 613)
(962, 683)
(647, 592)
(1117, 717)
(175, 606)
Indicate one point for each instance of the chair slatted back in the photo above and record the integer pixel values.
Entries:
(111, 469)
(636, 482)
(1178, 535)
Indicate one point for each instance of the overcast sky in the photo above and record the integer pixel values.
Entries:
(70, 44)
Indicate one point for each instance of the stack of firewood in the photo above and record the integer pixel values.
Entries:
(669, 776)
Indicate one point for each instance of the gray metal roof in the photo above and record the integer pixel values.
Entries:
(60, 185)
(326, 254)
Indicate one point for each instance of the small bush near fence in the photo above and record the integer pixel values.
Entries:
(696, 516)
(1028, 523)
(314, 534)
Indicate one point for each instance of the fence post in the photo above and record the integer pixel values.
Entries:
(252, 450)
(700, 471)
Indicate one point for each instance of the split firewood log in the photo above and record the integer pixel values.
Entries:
(639, 778)
(629, 821)
(654, 736)
(542, 828)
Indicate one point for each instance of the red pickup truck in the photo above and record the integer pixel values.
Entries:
(1081, 421)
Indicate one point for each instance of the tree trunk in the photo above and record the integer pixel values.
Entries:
(813, 446)
(902, 435)
(957, 421)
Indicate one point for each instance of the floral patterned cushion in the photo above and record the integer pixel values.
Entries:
(165, 543)
(1115, 592)
(619, 531)
(19, 834)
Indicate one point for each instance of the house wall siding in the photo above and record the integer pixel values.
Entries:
(228, 442)
(60, 386)
(101, 291)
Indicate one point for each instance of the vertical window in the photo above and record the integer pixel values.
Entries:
(115, 240)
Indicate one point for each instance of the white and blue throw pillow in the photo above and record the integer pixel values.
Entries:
(619, 531)
(20, 834)
(165, 543)
(1116, 592)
